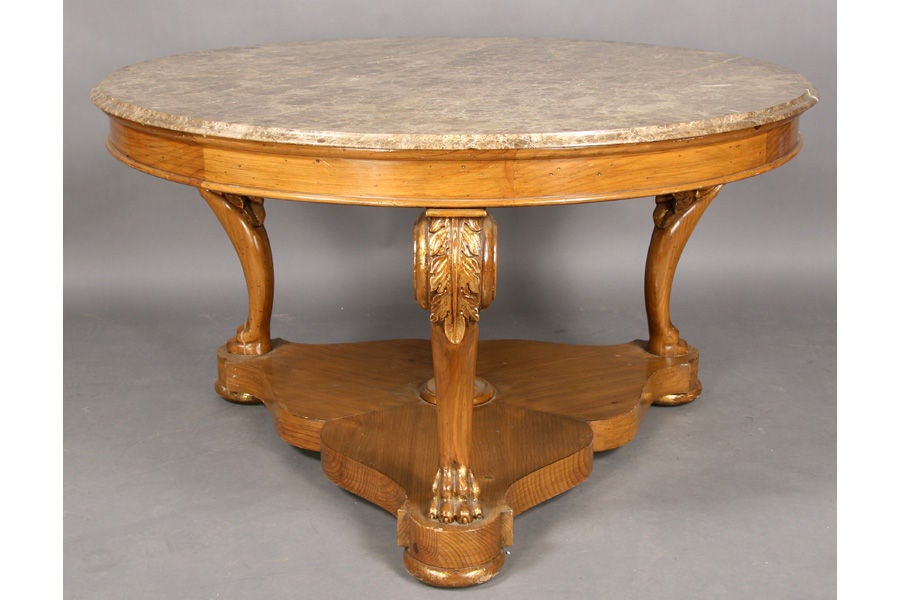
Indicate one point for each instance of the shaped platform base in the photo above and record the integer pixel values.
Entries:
(553, 406)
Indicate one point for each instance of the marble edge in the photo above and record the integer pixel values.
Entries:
(454, 141)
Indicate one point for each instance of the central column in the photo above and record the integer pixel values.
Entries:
(455, 273)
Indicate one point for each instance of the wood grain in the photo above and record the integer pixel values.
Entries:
(524, 457)
(359, 405)
(455, 278)
(452, 178)
(607, 387)
(306, 385)
(242, 218)
(675, 217)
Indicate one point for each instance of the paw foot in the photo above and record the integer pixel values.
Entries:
(455, 496)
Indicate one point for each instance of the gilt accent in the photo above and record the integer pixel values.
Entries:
(455, 495)
(453, 278)
(308, 133)
(455, 270)
(455, 274)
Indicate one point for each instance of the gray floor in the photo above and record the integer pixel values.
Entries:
(173, 493)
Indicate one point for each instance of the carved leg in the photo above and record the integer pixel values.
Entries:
(455, 277)
(242, 217)
(675, 217)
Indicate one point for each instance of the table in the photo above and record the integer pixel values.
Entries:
(452, 436)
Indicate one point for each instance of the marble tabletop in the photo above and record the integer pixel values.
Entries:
(454, 93)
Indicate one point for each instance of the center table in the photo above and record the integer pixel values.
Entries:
(452, 436)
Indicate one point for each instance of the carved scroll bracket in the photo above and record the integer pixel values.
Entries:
(671, 208)
(250, 207)
(455, 268)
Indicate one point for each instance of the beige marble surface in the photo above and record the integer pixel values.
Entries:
(454, 93)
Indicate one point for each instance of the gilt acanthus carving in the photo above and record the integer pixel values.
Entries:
(455, 271)
(454, 274)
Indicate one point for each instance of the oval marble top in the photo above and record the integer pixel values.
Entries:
(454, 93)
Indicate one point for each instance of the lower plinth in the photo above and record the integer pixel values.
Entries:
(553, 405)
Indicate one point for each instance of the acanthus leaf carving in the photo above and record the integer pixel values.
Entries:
(454, 273)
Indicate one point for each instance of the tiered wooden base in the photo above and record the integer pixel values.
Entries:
(363, 405)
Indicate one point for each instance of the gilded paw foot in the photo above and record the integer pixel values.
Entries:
(455, 496)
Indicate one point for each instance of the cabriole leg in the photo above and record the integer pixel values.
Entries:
(674, 218)
(242, 218)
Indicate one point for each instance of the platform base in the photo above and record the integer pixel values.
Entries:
(553, 405)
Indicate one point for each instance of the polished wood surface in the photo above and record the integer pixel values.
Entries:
(359, 405)
(675, 217)
(453, 178)
(455, 278)
(524, 458)
(242, 218)
(608, 387)
(366, 406)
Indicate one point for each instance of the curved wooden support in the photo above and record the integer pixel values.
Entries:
(242, 217)
(674, 217)
(454, 278)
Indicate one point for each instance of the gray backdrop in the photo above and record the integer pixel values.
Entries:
(172, 493)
